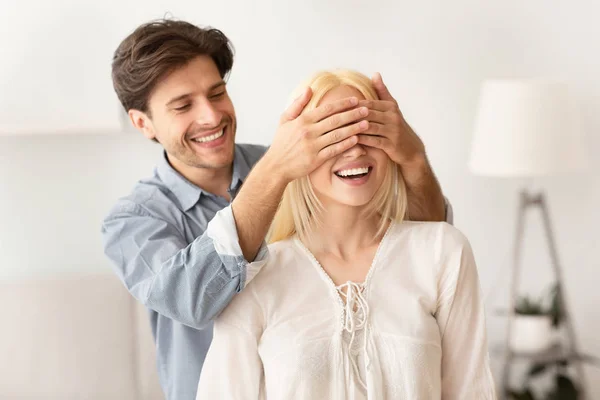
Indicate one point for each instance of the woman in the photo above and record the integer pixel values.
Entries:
(352, 302)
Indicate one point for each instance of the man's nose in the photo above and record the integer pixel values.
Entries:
(208, 114)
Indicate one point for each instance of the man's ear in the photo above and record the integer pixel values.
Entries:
(142, 122)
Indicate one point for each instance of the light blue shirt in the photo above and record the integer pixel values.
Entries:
(156, 239)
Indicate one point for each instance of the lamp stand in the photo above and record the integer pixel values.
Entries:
(527, 201)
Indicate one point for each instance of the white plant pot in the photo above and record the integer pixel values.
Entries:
(531, 333)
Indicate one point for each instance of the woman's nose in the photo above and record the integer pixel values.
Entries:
(355, 151)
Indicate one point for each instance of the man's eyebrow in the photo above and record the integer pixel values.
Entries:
(217, 85)
(188, 95)
(179, 98)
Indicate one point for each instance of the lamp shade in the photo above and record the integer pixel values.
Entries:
(526, 128)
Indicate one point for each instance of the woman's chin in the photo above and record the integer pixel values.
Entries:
(352, 201)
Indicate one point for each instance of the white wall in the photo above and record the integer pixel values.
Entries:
(433, 55)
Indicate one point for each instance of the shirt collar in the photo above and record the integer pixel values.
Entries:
(241, 169)
(186, 192)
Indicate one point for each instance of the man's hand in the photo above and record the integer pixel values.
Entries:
(388, 129)
(304, 142)
(389, 132)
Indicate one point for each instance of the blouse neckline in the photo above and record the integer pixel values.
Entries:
(332, 286)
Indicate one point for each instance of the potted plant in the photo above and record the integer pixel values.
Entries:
(563, 387)
(532, 326)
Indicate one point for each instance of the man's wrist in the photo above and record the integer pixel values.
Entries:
(268, 166)
(416, 170)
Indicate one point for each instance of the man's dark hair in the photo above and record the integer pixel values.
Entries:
(157, 48)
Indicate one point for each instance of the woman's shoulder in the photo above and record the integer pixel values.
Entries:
(283, 259)
(440, 236)
(282, 246)
(437, 247)
(429, 230)
(283, 251)
(247, 307)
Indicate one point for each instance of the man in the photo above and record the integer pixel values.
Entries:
(169, 76)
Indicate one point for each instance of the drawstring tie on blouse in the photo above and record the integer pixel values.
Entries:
(356, 314)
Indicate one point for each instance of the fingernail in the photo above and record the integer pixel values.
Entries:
(363, 125)
(364, 111)
(353, 101)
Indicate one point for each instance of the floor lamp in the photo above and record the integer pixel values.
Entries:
(527, 129)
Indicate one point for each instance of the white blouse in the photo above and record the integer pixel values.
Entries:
(415, 328)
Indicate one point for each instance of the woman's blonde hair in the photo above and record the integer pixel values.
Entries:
(300, 210)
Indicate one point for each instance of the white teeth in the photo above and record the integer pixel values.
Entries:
(353, 171)
(210, 138)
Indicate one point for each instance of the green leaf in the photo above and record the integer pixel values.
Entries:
(520, 395)
(563, 362)
(555, 309)
(526, 306)
(537, 369)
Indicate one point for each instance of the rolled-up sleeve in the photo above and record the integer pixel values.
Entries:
(223, 232)
(190, 283)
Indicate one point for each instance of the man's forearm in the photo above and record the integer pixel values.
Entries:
(425, 197)
(255, 206)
